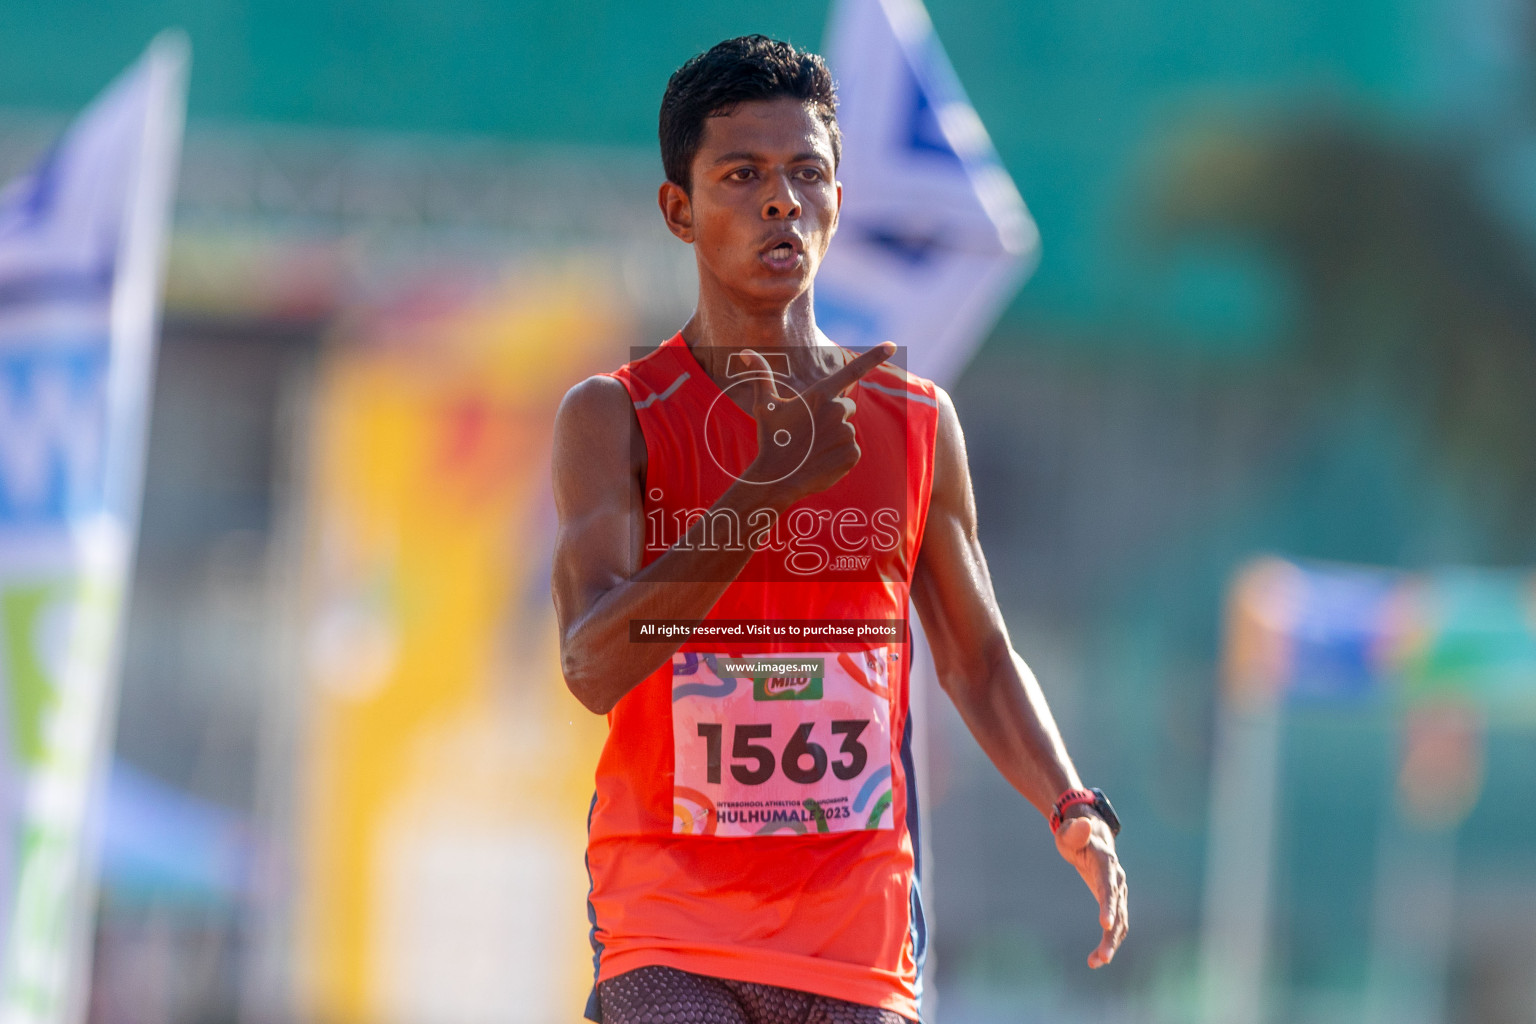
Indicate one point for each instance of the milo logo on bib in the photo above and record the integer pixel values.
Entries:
(787, 688)
(780, 678)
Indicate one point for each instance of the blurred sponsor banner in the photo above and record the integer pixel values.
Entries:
(1305, 632)
(448, 771)
(82, 240)
(933, 239)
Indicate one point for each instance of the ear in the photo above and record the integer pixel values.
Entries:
(676, 210)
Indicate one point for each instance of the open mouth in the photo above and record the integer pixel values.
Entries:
(783, 256)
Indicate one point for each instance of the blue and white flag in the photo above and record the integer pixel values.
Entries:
(934, 238)
(82, 243)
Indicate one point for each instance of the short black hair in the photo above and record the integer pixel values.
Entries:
(736, 71)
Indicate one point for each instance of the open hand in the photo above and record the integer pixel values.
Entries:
(1087, 844)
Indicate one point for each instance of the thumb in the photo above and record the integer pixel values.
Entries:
(1074, 835)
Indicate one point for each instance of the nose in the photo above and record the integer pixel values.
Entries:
(782, 203)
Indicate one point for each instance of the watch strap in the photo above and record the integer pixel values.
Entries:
(1070, 798)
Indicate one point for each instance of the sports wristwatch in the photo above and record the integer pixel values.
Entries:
(1094, 798)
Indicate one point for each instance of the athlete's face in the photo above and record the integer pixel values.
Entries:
(764, 202)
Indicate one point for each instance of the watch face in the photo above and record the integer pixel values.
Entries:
(1102, 805)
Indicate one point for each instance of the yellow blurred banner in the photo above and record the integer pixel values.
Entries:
(448, 770)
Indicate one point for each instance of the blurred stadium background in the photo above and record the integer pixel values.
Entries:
(1286, 306)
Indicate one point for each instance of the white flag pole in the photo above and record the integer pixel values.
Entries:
(136, 296)
(135, 333)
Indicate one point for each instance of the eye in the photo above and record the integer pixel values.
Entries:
(742, 174)
(809, 174)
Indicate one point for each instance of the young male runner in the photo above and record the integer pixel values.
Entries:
(753, 839)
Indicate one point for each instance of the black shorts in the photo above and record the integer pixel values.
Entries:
(665, 995)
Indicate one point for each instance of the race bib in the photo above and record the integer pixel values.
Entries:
(771, 744)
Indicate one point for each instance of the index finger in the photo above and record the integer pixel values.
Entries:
(1105, 951)
(836, 382)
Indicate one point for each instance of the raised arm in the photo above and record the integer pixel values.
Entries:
(599, 469)
(995, 692)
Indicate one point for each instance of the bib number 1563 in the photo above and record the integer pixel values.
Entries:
(802, 760)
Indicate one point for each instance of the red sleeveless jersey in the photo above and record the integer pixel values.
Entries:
(756, 819)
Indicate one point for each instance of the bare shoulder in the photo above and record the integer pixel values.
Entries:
(952, 495)
(949, 445)
(597, 403)
(596, 436)
(948, 418)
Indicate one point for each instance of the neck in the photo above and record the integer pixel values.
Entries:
(718, 321)
(719, 327)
